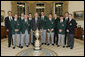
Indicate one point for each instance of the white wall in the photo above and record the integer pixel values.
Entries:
(76, 6)
(6, 6)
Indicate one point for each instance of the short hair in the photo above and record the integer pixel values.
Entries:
(30, 13)
(42, 11)
(22, 13)
(61, 15)
(56, 13)
(50, 13)
(66, 12)
(9, 11)
(70, 14)
(15, 14)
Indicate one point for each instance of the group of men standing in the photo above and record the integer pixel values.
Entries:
(57, 28)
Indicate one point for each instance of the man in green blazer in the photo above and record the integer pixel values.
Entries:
(50, 29)
(22, 29)
(44, 27)
(27, 30)
(61, 31)
(30, 20)
(16, 31)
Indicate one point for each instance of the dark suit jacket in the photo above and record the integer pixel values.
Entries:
(8, 23)
(71, 25)
(66, 23)
(34, 26)
(56, 22)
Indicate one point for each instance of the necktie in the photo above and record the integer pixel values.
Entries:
(35, 20)
(10, 18)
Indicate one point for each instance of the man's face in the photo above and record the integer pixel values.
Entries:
(22, 15)
(61, 18)
(66, 14)
(42, 13)
(30, 15)
(26, 16)
(36, 15)
(10, 14)
(16, 16)
(50, 16)
(55, 15)
(70, 16)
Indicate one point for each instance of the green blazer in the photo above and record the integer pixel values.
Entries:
(50, 24)
(22, 25)
(44, 22)
(25, 26)
(62, 26)
(15, 25)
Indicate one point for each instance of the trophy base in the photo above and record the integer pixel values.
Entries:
(37, 48)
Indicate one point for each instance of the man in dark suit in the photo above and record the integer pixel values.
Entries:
(66, 18)
(8, 27)
(70, 31)
(56, 18)
(22, 33)
(36, 23)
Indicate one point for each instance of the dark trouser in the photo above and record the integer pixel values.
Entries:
(70, 41)
(55, 35)
(9, 38)
(34, 39)
(56, 38)
(65, 38)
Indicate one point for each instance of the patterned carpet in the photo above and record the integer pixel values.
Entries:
(77, 51)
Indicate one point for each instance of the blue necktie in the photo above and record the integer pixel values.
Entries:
(35, 20)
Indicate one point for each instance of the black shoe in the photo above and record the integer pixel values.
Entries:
(63, 46)
(53, 44)
(21, 46)
(71, 48)
(9, 46)
(67, 46)
(13, 47)
(31, 43)
(45, 43)
(42, 43)
(26, 45)
(57, 45)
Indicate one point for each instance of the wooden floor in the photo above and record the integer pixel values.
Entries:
(77, 51)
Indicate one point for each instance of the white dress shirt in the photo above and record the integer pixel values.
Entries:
(66, 18)
(22, 18)
(10, 18)
(30, 18)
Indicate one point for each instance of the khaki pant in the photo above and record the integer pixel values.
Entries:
(61, 39)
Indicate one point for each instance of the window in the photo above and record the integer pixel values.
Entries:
(20, 8)
(59, 8)
(40, 7)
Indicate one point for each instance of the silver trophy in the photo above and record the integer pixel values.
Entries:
(37, 41)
